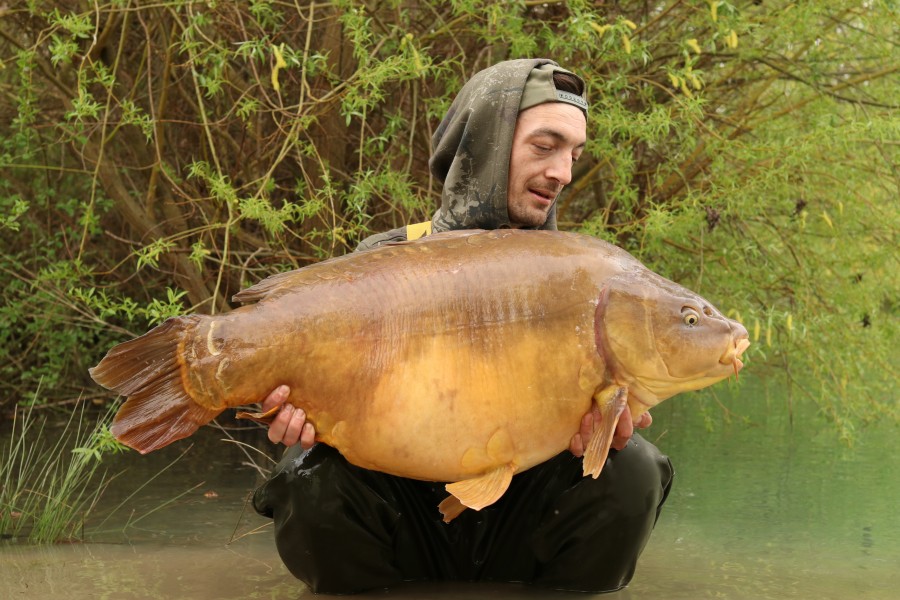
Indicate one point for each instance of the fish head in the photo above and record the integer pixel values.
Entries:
(662, 339)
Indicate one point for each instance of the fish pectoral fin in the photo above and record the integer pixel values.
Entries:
(478, 492)
(612, 401)
(265, 418)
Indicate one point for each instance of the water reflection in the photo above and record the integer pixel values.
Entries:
(759, 510)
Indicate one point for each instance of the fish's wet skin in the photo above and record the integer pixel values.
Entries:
(465, 357)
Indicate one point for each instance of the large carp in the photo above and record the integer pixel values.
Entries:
(464, 357)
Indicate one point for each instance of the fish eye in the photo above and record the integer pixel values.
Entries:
(690, 318)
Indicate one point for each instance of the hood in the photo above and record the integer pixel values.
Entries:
(472, 146)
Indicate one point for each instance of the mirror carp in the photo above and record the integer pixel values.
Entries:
(464, 357)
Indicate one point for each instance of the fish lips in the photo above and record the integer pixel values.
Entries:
(732, 356)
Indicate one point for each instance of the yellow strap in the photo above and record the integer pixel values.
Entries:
(415, 231)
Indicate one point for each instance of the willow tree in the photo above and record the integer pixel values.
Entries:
(158, 157)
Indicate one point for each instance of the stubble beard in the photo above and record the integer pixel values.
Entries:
(526, 214)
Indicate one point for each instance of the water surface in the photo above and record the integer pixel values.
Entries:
(760, 509)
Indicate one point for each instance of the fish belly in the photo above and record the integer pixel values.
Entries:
(447, 412)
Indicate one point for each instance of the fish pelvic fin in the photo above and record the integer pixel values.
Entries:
(476, 493)
(612, 401)
(158, 409)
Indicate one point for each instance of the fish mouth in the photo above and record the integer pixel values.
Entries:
(732, 356)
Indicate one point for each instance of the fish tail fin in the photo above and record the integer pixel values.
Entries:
(158, 409)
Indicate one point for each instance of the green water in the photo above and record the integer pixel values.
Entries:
(767, 509)
(760, 509)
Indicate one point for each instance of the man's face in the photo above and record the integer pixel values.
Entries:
(548, 140)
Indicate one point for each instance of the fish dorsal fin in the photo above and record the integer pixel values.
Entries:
(477, 492)
(333, 268)
(269, 286)
(612, 401)
(283, 283)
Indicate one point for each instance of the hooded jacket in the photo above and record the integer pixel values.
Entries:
(471, 150)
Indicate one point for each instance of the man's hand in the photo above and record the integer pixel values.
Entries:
(289, 425)
(591, 421)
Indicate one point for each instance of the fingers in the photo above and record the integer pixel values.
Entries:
(308, 436)
(579, 441)
(576, 446)
(289, 426)
(645, 421)
(588, 423)
(278, 396)
(626, 426)
(624, 430)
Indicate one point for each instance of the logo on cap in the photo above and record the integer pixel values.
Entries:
(572, 99)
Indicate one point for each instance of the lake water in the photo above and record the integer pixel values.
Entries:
(759, 509)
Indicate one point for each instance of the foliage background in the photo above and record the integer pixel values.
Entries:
(159, 156)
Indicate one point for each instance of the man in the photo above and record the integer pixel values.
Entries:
(504, 151)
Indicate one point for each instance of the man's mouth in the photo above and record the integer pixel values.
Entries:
(548, 196)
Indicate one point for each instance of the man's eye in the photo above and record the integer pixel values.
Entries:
(540, 148)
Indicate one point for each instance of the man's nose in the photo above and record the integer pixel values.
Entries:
(560, 169)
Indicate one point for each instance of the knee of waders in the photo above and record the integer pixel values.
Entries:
(598, 528)
(332, 531)
(635, 480)
(294, 473)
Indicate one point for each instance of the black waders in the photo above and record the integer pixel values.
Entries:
(342, 529)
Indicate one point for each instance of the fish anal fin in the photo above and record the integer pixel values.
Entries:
(611, 401)
(481, 491)
(451, 508)
(264, 418)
